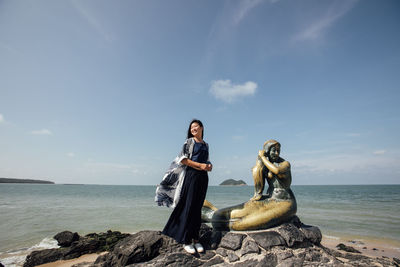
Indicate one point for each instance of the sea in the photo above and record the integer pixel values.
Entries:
(31, 214)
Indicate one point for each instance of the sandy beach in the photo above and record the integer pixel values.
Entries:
(376, 248)
(88, 258)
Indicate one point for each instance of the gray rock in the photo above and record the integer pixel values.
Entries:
(232, 257)
(247, 263)
(312, 233)
(268, 239)
(214, 261)
(221, 251)
(249, 246)
(284, 255)
(343, 247)
(140, 247)
(209, 254)
(291, 234)
(66, 238)
(270, 260)
(232, 241)
(180, 259)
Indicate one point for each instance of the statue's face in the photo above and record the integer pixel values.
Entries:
(274, 153)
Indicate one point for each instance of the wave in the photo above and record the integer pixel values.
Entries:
(16, 258)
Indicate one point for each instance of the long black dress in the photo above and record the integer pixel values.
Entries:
(185, 220)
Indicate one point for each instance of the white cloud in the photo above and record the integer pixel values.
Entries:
(42, 132)
(318, 26)
(71, 154)
(228, 92)
(1, 118)
(379, 152)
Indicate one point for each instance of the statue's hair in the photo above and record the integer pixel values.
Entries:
(269, 144)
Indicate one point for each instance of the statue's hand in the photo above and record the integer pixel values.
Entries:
(261, 153)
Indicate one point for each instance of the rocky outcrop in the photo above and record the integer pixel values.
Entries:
(290, 244)
(73, 246)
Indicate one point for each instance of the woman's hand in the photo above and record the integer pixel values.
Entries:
(261, 153)
(205, 167)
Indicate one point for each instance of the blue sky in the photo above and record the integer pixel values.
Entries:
(102, 92)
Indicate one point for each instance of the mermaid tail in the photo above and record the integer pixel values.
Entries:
(207, 211)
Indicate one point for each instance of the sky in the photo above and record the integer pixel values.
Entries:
(102, 92)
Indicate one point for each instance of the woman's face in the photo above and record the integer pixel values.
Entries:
(196, 130)
(274, 153)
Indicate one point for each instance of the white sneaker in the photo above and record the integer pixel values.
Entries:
(199, 248)
(189, 249)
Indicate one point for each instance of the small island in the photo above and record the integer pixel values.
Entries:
(233, 182)
(23, 181)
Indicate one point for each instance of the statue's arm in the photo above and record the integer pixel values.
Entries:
(284, 166)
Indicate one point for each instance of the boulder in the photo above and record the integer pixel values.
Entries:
(91, 243)
(66, 238)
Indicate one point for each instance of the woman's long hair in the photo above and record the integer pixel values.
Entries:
(189, 134)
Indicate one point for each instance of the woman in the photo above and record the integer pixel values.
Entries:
(263, 211)
(184, 187)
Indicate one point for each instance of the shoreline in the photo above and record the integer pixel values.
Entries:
(372, 248)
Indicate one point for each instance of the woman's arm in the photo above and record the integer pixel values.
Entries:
(197, 165)
(274, 169)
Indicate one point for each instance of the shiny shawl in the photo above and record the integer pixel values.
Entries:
(169, 190)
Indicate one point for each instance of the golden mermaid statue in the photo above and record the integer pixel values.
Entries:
(261, 211)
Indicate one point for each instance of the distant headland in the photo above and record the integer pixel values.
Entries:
(233, 182)
(23, 181)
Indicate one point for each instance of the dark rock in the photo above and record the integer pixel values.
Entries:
(312, 233)
(249, 246)
(215, 239)
(81, 247)
(290, 233)
(43, 256)
(343, 247)
(66, 238)
(92, 243)
(232, 241)
(1, 265)
(140, 247)
(396, 260)
(268, 239)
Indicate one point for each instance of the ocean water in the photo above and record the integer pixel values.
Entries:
(32, 214)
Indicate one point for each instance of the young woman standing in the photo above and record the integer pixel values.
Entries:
(184, 187)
